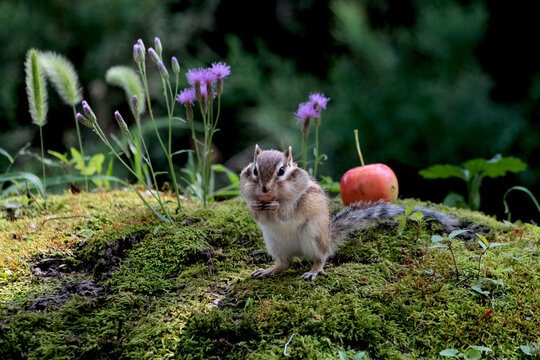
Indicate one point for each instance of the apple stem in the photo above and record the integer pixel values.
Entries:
(358, 146)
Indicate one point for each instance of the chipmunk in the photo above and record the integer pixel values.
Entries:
(293, 213)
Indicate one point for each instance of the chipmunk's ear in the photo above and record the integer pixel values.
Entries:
(288, 156)
(257, 152)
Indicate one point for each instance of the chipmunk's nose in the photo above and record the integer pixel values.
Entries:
(264, 189)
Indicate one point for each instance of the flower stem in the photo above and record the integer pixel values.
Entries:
(80, 144)
(316, 149)
(358, 146)
(43, 164)
(304, 151)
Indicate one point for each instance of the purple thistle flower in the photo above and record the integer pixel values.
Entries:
(162, 70)
(153, 55)
(221, 70)
(175, 66)
(121, 123)
(305, 112)
(83, 120)
(141, 44)
(157, 45)
(135, 106)
(195, 76)
(209, 77)
(89, 113)
(187, 98)
(138, 54)
(318, 100)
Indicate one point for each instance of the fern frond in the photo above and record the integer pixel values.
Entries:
(62, 74)
(35, 88)
(126, 78)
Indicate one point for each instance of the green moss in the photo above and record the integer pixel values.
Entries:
(184, 290)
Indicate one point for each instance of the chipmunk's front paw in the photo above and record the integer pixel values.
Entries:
(311, 275)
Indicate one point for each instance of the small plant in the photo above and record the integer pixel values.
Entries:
(473, 352)
(445, 242)
(472, 172)
(37, 100)
(358, 356)
(417, 217)
(306, 111)
(533, 350)
(486, 245)
(206, 84)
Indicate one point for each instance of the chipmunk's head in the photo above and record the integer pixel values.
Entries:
(272, 178)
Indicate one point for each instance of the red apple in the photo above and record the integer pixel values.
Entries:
(369, 183)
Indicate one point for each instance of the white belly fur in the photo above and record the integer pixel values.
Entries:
(285, 240)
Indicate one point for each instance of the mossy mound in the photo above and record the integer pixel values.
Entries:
(96, 276)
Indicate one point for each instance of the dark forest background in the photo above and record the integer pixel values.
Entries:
(425, 82)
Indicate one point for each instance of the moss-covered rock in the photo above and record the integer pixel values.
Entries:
(119, 283)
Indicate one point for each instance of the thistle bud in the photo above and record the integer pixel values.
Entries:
(175, 66)
(89, 113)
(157, 44)
(121, 123)
(153, 55)
(138, 54)
(163, 71)
(135, 106)
(83, 120)
(141, 44)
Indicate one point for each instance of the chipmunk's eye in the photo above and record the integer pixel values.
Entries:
(281, 171)
(255, 172)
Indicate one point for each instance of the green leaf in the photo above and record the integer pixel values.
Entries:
(62, 157)
(492, 245)
(181, 152)
(360, 355)
(442, 172)
(6, 154)
(94, 165)
(449, 352)
(528, 350)
(455, 233)
(417, 216)
(436, 238)
(409, 210)
(31, 178)
(480, 348)
(179, 119)
(233, 177)
(401, 226)
(475, 166)
(438, 246)
(499, 167)
(342, 356)
(482, 244)
(479, 290)
(473, 354)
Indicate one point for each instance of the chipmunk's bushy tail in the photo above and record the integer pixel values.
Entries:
(360, 216)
